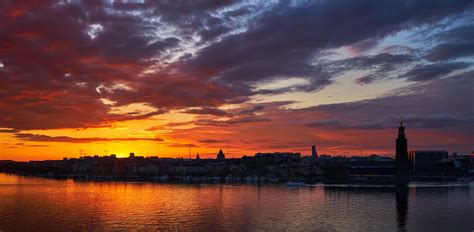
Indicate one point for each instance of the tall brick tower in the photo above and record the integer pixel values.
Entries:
(401, 158)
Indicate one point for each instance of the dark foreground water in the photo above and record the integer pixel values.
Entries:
(35, 204)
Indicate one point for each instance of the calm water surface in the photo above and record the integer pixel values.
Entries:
(36, 204)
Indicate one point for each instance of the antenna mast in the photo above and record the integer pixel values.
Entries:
(81, 152)
(189, 155)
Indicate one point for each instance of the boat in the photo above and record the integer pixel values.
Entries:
(216, 179)
(273, 180)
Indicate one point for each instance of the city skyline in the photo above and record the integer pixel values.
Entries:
(161, 78)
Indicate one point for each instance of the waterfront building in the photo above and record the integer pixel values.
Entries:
(278, 155)
(471, 165)
(427, 160)
(402, 164)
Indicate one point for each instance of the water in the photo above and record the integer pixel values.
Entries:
(36, 204)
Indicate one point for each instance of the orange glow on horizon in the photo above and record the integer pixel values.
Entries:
(175, 141)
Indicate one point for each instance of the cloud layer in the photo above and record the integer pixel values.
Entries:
(86, 65)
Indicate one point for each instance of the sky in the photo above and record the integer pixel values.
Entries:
(170, 78)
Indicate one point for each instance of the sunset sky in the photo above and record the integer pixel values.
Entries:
(158, 77)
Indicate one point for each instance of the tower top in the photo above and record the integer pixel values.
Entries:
(401, 130)
(220, 155)
(314, 153)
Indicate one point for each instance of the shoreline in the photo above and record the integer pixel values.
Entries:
(253, 181)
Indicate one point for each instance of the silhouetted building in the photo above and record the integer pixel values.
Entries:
(278, 155)
(131, 155)
(370, 166)
(402, 164)
(427, 160)
(314, 154)
(197, 156)
(220, 155)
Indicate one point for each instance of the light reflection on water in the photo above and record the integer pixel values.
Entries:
(28, 203)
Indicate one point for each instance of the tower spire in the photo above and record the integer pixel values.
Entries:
(401, 130)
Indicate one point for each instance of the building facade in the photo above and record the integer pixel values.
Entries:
(426, 160)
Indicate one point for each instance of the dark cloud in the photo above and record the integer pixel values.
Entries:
(460, 33)
(232, 121)
(174, 124)
(380, 66)
(181, 145)
(366, 79)
(211, 141)
(240, 11)
(424, 122)
(282, 41)
(398, 50)
(17, 145)
(452, 44)
(258, 141)
(439, 121)
(433, 71)
(37, 145)
(67, 139)
(208, 111)
(323, 123)
(5, 130)
(447, 51)
(253, 110)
